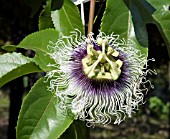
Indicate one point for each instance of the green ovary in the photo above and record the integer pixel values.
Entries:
(102, 64)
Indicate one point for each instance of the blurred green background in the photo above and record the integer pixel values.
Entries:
(150, 122)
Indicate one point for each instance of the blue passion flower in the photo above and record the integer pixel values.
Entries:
(103, 77)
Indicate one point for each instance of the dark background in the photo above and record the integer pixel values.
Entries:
(150, 122)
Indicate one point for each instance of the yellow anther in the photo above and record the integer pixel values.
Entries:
(105, 41)
(119, 63)
(99, 41)
(110, 50)
(91, 51)
(115, 53)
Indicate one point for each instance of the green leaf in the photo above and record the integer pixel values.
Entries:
(14, 65)
(38, 42)
(67, 19)
(162, 17)
(45, 20)
(141, 12)
(40, 116)
(117, 18)
(9, 48)
(77, 130)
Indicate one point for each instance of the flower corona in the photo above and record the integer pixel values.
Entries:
(98, 79)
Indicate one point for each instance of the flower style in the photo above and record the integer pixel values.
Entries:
(101, 77)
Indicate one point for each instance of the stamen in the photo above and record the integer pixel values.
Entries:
(102, 64)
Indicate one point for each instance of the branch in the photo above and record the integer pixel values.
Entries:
(91, 16)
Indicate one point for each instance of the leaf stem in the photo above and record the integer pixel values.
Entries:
(91, 16)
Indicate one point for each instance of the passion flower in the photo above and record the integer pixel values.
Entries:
(102, 78)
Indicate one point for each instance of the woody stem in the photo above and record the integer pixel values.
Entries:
(91, 16)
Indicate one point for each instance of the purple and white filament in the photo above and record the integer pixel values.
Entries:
(97, 100)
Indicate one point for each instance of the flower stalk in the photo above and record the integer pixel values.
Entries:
(91, 16)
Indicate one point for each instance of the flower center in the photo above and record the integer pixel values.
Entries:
(101, 64)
